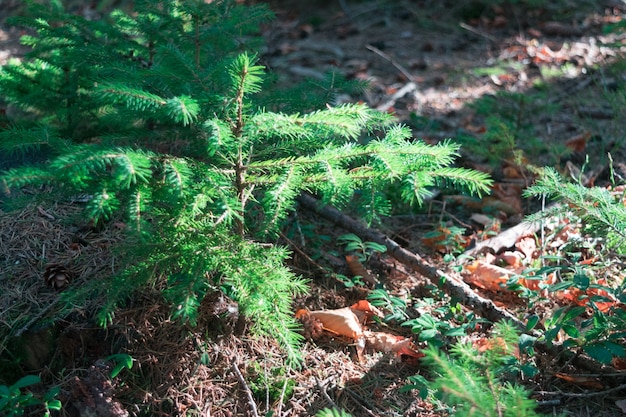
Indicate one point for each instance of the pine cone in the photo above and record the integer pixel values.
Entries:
(57, 276)
(312, 327)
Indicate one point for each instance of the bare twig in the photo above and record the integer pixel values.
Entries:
(245, 387)
(399, 67)
(449, 282)
(303, 254)
(408, 88)
(360, 401)
(583, 394)
(35, 318)
(325, 394)
(478, 32)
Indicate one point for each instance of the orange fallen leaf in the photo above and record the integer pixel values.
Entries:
(589, 261)
(341, 321)
(583, 298)
(387, 342)
(365, 311)
(534, 283)
(578, 143)
(512, 259)
(443, 240)
(583, 381)
(512, 172)
(487, 276)
(619, 363)
(357, 269)
(495, 344)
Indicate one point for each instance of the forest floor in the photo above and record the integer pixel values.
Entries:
(519, 87)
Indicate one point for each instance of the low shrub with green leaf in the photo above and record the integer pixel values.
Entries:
(601, 211)
(157, 117)
(598, 326)
(474, 383)
(16, 400)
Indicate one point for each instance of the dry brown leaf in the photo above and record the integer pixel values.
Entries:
(312, 327)
(341, 321)
(535, 284)
(440, 240)
(510, 194)
(487, 276)
(513, 259)
(527, 245)
(578, 143)
(484, 344)
(619, 363)
(357, 269)
(365, 311)
(583, 381)
(512, 172)
(387, 342)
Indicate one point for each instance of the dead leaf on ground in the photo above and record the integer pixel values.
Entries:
(578, 143)
(387, 342)
(527, 244)
(487, 276)
(357, 269)
(484, 344)
(512, 259)
(583, 298)
(444, 240)
(341, 321)
(582, 381)
(364, 311)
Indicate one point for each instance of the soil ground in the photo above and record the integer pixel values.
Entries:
(550, 73)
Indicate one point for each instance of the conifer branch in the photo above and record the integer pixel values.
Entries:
(157, 116)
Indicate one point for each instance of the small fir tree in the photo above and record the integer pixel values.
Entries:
(482, 383)
(153, 115)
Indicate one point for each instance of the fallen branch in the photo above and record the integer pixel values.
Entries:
(506, 239)
(451, 283)
(245, 387)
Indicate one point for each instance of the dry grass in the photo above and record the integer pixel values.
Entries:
(177, 369)
(41, 235)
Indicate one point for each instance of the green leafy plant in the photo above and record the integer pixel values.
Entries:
(596, 323)
(15, 400)
(332, 412)
(270, 385)
(157, 117)
(434, 330)
(396, 306)
(482, 383)
(442, 325)
(363, 250)
(121, 361)
(602, 212)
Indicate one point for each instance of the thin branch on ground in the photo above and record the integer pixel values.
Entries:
(450, 282)
(325, 394)
(399, 67)
(583, 394)
(245, 387)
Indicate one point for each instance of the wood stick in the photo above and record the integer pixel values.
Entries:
(246, 389)
(451, 283)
